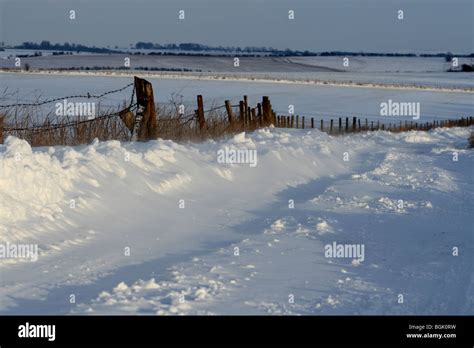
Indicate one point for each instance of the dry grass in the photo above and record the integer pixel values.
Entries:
(39, 129)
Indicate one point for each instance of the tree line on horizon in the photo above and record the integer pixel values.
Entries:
(174, 48)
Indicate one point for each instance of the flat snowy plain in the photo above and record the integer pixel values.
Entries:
(310, 100)
(241, 251)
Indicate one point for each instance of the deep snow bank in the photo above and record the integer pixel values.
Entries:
(109, 214)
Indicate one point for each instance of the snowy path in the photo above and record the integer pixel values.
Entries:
(244, 250)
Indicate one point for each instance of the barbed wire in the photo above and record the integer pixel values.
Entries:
(48, 127)
(88, 96)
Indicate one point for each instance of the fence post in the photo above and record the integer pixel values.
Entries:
(145, 98)
(312, 122)
(241, 111)
(330, 129)
(358, 121)
(292, 121)
(347, 124)
(254, 117)
(266, 109)
(322, 125)
(230, 114)
(297, 121)
(302, 122)
(1, 128)
(354, 123)
(200, 112)
(366, 125)
(340, 125)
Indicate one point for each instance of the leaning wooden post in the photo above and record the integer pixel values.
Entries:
(2, 118)
(230, 114)
(144, 91)
(200, 110)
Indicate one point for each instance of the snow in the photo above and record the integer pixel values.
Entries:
(236, 247)
(308, 99)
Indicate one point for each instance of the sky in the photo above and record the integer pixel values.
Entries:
(319, 25)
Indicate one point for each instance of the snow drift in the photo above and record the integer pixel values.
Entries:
(163, 228)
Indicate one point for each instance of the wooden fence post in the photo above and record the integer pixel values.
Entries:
(340, 125)
(354, 123)
(241, 112)
(292, 121)
(312, 122)
(266, 109)
(246, 111)
(347, 124)
(145, 98)
(302, 122)
(297, 121)
(2, 118)
(330, 128)
(230, 114)
(322, 125)
(200, 111)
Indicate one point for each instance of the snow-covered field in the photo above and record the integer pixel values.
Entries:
(321, 101)
(162, 228)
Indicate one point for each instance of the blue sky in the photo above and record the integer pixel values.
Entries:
(319, 25)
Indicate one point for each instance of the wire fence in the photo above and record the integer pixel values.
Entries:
(176, 124)
(83, 96)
